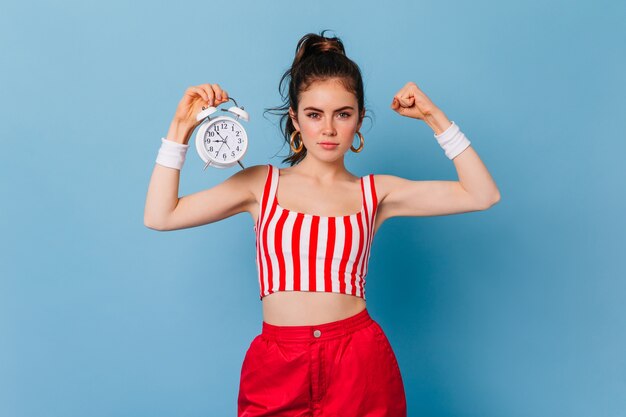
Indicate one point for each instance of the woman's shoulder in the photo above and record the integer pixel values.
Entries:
(255, 173)
(383, 183)
(255, 177)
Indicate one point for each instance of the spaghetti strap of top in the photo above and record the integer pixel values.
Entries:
(307, 252)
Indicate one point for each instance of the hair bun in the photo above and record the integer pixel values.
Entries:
(328, 45)
(314, 44)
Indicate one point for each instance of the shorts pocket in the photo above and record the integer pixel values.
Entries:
(386, 348)
(274, 379)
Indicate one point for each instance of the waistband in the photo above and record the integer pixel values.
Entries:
(317, 332)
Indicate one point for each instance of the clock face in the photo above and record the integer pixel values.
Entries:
(225, 140)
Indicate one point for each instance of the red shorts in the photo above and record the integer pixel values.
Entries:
(343, 368)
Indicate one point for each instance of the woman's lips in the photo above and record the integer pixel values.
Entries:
(328, 145)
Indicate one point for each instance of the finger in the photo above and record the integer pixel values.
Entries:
(200, 92)
(210, 95)
(406, 100)
(218, 92)
(398, 94)
(417, 93)
(397, 98)
(193, 91)
(404, 91)
(405, 96)
(395, 105)
(413, 87)
(410, 88)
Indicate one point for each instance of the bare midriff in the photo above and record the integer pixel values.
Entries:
(303, 308)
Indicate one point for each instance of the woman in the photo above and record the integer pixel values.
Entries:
(319, 352)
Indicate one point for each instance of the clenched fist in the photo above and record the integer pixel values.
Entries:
(410, 101)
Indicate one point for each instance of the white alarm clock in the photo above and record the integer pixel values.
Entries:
(222, 141)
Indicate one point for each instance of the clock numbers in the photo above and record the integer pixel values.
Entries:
(224, 140)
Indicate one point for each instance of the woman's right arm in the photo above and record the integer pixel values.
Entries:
(164, 210)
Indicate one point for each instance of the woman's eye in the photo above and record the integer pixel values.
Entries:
(342, 114)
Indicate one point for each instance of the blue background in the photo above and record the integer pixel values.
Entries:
(516, 311)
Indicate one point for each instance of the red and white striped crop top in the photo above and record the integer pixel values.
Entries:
(305, 252)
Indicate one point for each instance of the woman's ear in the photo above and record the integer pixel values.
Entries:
(358, 127)
(294, 118)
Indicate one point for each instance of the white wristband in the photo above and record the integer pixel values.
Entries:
(453, 141)
(171, 154)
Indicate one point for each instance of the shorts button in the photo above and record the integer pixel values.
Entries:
(317, 333)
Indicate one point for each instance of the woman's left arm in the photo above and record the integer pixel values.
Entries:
(475, 190)
(473, 174)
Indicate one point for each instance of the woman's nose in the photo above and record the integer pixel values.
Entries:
(329, 129)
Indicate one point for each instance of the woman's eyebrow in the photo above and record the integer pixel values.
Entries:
(341, 108)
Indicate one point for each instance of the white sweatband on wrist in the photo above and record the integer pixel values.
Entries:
(453, 141)
(171, 154)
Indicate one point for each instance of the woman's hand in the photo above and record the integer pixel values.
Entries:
(410, 101)
(194, 99)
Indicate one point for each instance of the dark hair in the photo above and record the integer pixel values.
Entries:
(318, 58)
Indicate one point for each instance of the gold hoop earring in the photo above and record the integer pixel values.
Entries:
(293, 135)
(360, 148)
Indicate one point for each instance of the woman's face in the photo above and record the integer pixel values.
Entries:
(327, 113)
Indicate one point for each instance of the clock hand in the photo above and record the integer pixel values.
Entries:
(218, 151)
(220, 148)
(218, 134)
